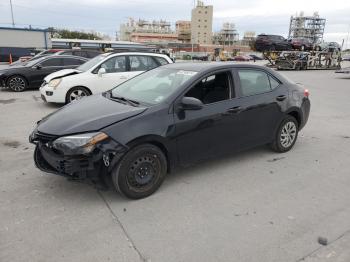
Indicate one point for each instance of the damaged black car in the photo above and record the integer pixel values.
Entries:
(136, 133)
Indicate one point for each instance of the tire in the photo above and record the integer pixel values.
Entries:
(272, 48)
(140, 172)
(76, 93)
(286, 135)
(17, 83)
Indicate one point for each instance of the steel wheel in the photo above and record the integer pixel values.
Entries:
(17, 83)
(288, 134)
(140, 172)
(143, 173)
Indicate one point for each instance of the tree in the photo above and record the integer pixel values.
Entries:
(65, 33)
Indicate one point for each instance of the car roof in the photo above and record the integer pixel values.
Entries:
(209, 66)
(65, 56)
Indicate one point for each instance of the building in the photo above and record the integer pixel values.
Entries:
(153, 38)
(183, 31)
(248, 38)
(144, 31)
(25, 38)
(310, 27)
(227, 36)
(201, 24)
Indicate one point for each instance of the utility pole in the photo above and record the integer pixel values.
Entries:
(13, 20)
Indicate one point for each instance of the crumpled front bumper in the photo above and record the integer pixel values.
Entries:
(76, 167)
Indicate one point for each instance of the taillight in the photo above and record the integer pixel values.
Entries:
(306, 93)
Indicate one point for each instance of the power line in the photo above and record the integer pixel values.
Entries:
(13, 20)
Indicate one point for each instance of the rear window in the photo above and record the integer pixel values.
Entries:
(161, 60)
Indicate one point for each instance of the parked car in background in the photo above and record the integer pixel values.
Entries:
(346, 58)
(98, 75)
(15, 52)
(174, 115)
(302, 44)
(265, 42)
(41, 54)
(80, 52)
(242, 58)
(255, 57)
(327, 46)
(32, 73)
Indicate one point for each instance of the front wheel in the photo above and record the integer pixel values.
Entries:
(76, 93)
(140, 172)
(286, 136)
(17, 83)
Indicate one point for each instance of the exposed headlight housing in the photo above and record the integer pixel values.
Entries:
(55, 82)
(81, 144)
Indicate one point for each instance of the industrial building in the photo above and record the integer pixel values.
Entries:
(183, 31)
(227, 36)
(144, 31)
(310, 27)
(201, 24)
(25, 38)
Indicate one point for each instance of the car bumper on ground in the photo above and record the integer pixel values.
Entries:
(305, 111)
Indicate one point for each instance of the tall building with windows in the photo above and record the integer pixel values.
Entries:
(201, 24)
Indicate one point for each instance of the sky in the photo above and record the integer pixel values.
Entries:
(261, 16)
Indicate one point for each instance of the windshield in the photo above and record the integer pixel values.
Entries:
(154, 86)
(92, 62)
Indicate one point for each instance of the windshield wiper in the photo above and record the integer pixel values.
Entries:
(126, 100)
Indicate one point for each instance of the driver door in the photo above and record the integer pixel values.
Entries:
(115, 74)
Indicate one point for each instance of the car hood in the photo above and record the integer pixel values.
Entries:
(87, 115)
(61, 73)
(12, 69)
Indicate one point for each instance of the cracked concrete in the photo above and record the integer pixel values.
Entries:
(253, 206)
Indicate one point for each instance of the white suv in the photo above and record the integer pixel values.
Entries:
(99, 74)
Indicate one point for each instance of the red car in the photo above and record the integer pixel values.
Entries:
(242, 58)
(301, 44)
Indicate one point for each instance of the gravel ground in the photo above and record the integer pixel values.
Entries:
(253, 206)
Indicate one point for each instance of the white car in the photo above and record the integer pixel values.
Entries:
(99, 74)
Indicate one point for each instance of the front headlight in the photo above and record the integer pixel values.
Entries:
(55, 82)
(78, 144)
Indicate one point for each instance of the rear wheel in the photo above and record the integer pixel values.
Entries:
(286, 136)
(76, 93)
(140, 172)
(17, 83)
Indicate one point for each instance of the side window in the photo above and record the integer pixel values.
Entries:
(115, 64)
(161, 60)
(212, 88)
(141, 63)
(52, 62)
(253, 82)
(72, 61)
(273, 82)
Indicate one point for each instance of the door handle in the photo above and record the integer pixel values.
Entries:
(123, 77)
(281, 97)
(234, 110)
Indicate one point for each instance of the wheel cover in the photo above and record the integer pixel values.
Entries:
(77, 94)
(17, 83)
(288, 134)
(144, 172)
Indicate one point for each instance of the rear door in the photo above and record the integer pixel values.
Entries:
(262, 98)
(69, 62)
(140, 63)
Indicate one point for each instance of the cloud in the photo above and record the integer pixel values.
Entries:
(268, 16)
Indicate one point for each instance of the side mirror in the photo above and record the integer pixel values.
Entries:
(191, 103)
(38, 66)
(101, 71)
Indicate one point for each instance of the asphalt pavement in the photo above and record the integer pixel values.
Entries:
(253, 206)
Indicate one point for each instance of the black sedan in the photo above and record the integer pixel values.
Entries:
(32, 74)
(173, 115)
